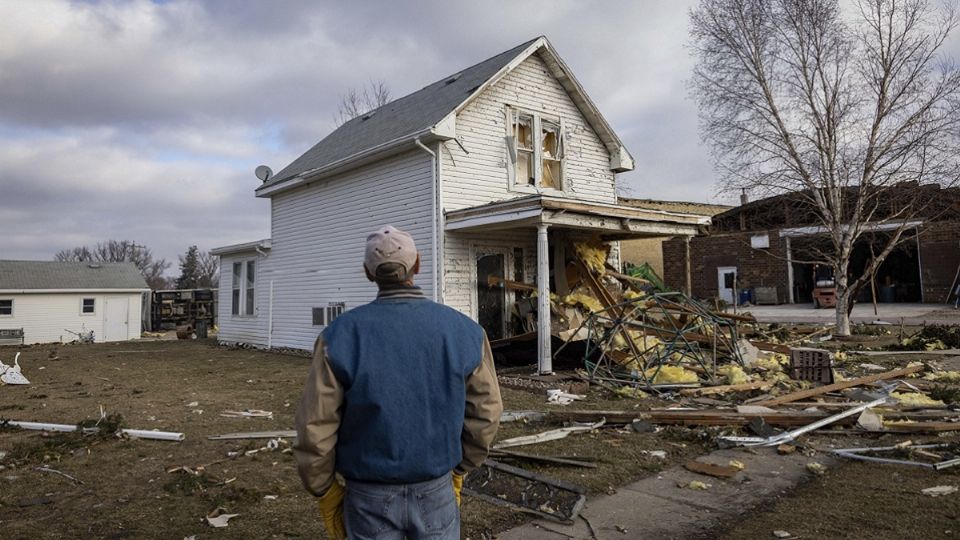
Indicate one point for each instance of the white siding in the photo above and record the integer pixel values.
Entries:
(318, 238)
(481, 176)
(243, 328)
(46, 317)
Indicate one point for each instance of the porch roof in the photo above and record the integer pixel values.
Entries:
(612, 221)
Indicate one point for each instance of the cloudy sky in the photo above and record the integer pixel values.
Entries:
(140, 120)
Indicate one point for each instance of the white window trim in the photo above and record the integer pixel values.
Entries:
(511, 151)
(13, 309)
(94, 312)
(242, 300)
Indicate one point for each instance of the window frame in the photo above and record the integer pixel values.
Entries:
(324, 315)
(512, 115)
(84, 313)
(243, 292)
(12, 308)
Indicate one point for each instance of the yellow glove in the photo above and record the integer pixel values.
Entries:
(331, 510)
(457, 486)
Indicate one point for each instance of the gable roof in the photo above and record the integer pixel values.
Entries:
(427, 113)
(50, 275)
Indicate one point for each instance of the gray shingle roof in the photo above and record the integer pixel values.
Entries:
(404, 116)
(69, 275)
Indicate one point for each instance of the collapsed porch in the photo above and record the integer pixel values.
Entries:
(558, 224)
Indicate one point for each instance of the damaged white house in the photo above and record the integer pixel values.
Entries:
(495, 171)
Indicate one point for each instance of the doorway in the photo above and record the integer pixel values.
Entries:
(115, 326)
(726, 283)
(493, 300)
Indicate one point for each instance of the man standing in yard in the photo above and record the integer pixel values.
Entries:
(401, 401)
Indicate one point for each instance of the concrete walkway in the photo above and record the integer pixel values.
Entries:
(912, 314)
(657, 507)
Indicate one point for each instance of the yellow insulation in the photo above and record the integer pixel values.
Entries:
(944, 376)
(579, 299)
(915, 399)
(593, 256)
(672, 375)
(734, 374)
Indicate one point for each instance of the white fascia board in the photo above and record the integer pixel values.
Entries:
(621, 160)
(71, 291)
(536, 45)
(341, 164)
(239, 248)
(446, 128)
(700, 219)
(493, 219)
(872, 227)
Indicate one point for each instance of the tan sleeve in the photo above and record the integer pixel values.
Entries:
(482, 415)
(318, 419)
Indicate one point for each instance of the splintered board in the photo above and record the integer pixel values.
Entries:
(523, 490)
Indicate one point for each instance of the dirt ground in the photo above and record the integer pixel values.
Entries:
(126, 491)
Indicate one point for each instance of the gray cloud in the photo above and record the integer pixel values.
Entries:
(142, 120)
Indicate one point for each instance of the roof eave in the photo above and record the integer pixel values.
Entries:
(443, 130)
(240, 248)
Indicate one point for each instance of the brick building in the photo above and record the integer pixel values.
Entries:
(767, 246)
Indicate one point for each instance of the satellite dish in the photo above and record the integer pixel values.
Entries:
(263, 173)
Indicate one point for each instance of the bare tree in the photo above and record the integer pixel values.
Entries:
(121, 251)
(208, 269)
(356, 102)
(843, 107)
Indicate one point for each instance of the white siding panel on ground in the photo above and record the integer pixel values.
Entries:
(318, 237)
(46, 317)
(479, 175)
(250, 329)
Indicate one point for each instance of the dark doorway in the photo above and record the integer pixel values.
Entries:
(491, 299)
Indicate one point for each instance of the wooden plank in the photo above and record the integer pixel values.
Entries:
(803, 394)
(709, 469)
(922, 427)
(544, 459)
(712, 390)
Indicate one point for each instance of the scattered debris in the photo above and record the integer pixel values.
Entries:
(816, 468)
(709, 469)
(12, 374)
(562, 398)
(218, 517)
(906, 453)
(249, 413)
(696, 485)
(782, 534)
(135, 433)
(526, 491)
(938, 491)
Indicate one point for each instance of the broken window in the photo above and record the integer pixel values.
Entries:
(523, 135)
(535, 148)
(552, 153)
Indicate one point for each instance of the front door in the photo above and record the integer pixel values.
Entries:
(491, 296)
(115, 327)
(726, 283)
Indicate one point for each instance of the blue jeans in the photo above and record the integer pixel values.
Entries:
(397, 511)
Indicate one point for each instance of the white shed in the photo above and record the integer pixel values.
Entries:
(44, 301)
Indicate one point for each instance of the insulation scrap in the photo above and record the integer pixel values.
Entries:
(631, 392)
(594, 256)
(738, 465)
(840, 356)
(771, 363)
(915, 399)
(944, 376)
(630, 294)
(914, 375)
(816, 468)
(671, 375)
(580, 299)
(696, 484)
(935, 345)
(734, 374)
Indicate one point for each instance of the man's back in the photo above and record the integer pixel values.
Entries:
(403, 363)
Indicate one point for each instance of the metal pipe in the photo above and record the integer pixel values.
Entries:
(68, 428)
(270, 319)
(433, 225)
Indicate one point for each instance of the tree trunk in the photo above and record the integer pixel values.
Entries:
(844, 301)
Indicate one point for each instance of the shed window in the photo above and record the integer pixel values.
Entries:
(6, 308)
(243, 288)
(322, 316)
(88, 306)
(535, 149)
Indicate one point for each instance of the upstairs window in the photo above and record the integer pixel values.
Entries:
(535, 150)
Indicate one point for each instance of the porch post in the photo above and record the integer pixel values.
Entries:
(544, 355)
